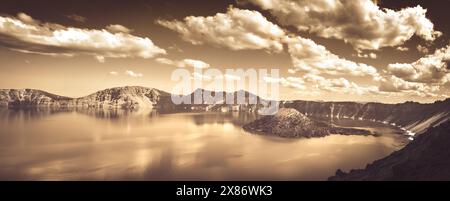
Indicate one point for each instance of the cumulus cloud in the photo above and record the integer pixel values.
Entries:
(432, 68)
(316, 83)
(339, 85)
(237, 29)
(425, 77)
(114, 73)
(185, 63)
(28, 35)
(361, 23)
(395, 85)
(317, 67)
(292, 82)
(133, 74)
(307, 56)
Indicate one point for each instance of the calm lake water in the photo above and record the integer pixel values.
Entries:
(145, 145)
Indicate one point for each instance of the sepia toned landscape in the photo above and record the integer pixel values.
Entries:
(253, 90)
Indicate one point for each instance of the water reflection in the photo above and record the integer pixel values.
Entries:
(149, 145)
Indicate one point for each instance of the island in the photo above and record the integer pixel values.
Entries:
(290, 123)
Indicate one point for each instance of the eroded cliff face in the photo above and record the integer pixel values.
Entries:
(426, 158)
(120, 97)
(31, 98)
(410, 116)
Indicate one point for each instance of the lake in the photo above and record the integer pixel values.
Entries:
(43, 144)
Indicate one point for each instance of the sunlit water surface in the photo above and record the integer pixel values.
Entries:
(145, 145)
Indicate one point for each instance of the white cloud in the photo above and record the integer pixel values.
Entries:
(395, 85)
(369, 55)
(100, 59)
(117, 28)
(386, 86)
(113, 73)
(237, 29)
(165, 61)
(291, 71)
(133, 74)
(315, 84)
(339, 85)
(307, 56)
(361, 23)
(185, 63)
(291, 82)
(422, 49)
(31, 36)
(194, 63)
(429, 69)
(26, 18)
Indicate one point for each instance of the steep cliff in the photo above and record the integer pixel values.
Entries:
(120, 97)
(411, 116)
(31, 98)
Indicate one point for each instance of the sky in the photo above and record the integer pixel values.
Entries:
(333, 50)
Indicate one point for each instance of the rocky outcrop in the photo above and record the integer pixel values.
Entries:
(290, 123)
(425, 158)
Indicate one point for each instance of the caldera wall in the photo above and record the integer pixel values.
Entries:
(412, 116)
